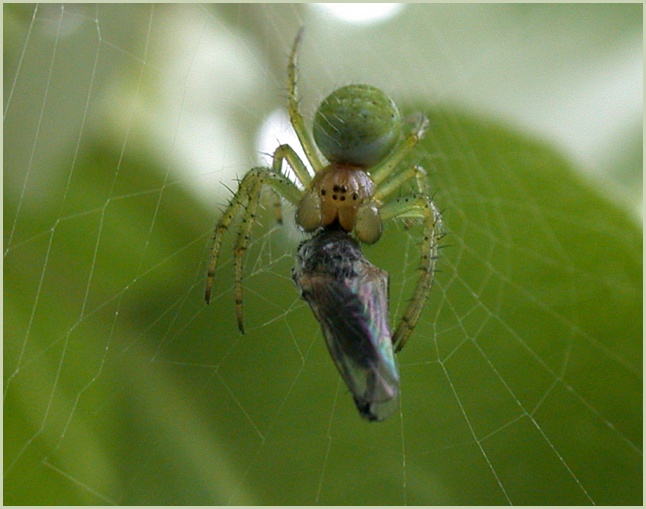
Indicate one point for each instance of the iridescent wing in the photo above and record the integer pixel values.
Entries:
(349, 297)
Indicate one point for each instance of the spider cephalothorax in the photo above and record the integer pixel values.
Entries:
(359, 130)
(341, 193)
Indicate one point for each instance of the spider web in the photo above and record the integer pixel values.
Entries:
(125, 125)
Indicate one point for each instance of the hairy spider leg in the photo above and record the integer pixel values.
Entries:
(295, 116)
(393, 184)
(287, 153)
(246, 197)
(387, 187)
(278, 207)
(384, 169)
(417, 206)
(249, 191)
(242, 241)
(403, 210)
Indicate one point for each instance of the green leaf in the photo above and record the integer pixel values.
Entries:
(522, 382)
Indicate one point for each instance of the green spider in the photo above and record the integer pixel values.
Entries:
(358, 129)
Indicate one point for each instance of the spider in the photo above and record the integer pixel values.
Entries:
(359, 131)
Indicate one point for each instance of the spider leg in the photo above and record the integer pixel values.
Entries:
(421, 178)
(287, 153)
(294, 112)
(246, 198)
(242, 242)
(278, 207)
(387, 187)
(417, 206)
(384, 169)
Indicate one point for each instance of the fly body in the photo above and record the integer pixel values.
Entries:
(349, 298)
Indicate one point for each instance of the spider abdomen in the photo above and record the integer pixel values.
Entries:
(356, 124)
(342, 194)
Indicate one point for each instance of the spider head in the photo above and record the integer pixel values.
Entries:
(356, 124)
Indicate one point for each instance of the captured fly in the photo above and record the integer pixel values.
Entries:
(349, 298)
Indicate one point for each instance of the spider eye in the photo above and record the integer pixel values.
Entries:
(356, 124)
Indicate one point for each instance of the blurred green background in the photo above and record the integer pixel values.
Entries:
(124, 127)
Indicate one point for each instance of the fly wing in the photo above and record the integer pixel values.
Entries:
(349, 297)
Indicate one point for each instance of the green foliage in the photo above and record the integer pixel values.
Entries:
(521, 384)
